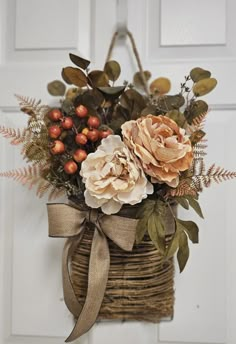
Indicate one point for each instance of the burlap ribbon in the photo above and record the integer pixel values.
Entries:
(69, 222)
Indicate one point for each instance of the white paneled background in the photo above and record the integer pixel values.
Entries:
(172, 37)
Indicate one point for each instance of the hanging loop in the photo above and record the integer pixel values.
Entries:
(136, 54)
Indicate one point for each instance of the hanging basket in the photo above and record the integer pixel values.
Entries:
(140, 284)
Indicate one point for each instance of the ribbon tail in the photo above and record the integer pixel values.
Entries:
(70, 298)
(99, 265)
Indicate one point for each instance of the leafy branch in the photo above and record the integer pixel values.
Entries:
(151, 219)
(184, 230)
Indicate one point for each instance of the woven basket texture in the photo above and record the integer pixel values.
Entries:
(140, 285)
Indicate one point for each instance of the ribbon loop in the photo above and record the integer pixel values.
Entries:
(69, 222)
(92, 216)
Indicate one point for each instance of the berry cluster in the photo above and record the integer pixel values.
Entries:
(74, 136)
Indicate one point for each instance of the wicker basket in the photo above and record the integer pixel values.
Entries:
(140, 285)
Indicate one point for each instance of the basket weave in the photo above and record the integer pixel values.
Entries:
(140, 285)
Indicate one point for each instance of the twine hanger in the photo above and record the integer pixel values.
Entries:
(121, 32)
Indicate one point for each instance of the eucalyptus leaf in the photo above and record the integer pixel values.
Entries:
(199, 74)
(112, 92)
(138, 81)
(112, 69)
(56, 88)
(64, 77)
(168, 103)
(160, 86)
(204, 86)
(190, 228)
(91, 99)
(149, 110)
(133, 101)
(183, 252)
(98, 78)
(177, 116)
(74, 76)
(79, 61)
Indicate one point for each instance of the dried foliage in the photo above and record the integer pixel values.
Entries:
(29, 175)
(95, 108)
(32, 107)
(202, 178)
(199, 150)
(183, 189)
(16, 136)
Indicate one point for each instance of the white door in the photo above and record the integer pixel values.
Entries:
(172, 37)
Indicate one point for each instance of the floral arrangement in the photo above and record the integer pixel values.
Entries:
(109, 147)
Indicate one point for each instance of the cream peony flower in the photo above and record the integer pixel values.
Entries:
(161, 146)
(113, 177)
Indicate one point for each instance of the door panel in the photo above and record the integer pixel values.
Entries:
(34, 47)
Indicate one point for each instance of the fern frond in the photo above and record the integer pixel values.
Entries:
(183, 189)
(198, 123)
(32, 107)
(26, 175)
(213, 174)
(27, 102)
(32, 175)
(200, 120)
(16, 136)
(199, 150)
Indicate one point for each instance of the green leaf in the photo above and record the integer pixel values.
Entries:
(195, 205)
(56, 88)
(204, 86)
(183, 202)
(74, 76)
(156, 232)
(146, 209)
(183, 252)
(112, 69)
(79, 61)
(190, 228)
(141, 229)
(173, 245)
(199, 74)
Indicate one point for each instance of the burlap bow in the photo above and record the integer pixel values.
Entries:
(68, 222)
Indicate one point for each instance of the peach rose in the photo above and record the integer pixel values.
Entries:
(163, 148)
(113, 177)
